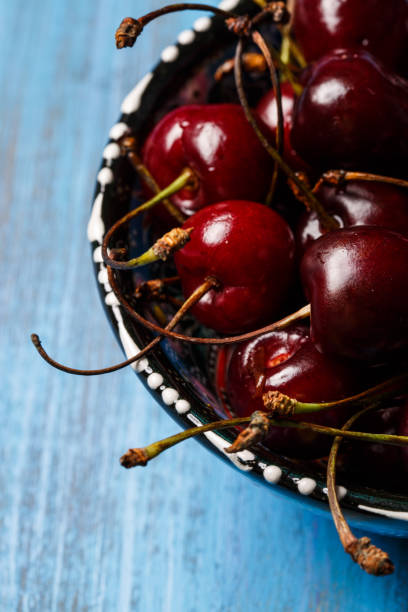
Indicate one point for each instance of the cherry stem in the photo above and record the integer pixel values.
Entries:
(186, 177)
(265, 49)
(281, 404)
(128, 145)
(337, 177)
(140, 456)
(209, 283)
(370, 558)
(302, 313)
(326, 220)
(130, 29)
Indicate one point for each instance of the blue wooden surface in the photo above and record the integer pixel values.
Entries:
(77, 531)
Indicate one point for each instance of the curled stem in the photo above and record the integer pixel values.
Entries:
(128, 145)
(187, 177)
(130, 28)
(327, 221)
(302, 313)
(208, 284)
(370, 558)
(337, 177)
(259, 423)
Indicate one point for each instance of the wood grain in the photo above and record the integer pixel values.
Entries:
(79, 532)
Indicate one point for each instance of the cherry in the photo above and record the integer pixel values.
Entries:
(355, 280)
(357, 202)
(249, 249)
(267, 111)
(287, 361)
(374, 25)
(352, 114)
(218, 144)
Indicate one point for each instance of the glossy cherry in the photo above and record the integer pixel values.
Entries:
(356, 282)
(267, 111)
(249, 249)
(352, 114)
(374, 25)
(218, 144)
(357, 202)
(288, 361)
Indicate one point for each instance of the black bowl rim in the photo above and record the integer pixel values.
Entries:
(176, 395)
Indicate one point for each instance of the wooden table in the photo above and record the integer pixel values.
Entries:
(78, 532)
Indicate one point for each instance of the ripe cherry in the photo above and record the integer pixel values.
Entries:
(287, 361)
(355, 281)
(249, 249)
(218, 144)
(374, 25)
(267, 110)
(357, 202)
(352, 114)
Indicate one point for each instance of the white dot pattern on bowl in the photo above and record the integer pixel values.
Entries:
(182, 406)
(202, 24)
(111, 151)
(118, 130)
(154, 380)
(132, 101)
(105, 176)
(228, 5)
(170, 396)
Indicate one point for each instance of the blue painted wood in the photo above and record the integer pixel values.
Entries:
(79, 532)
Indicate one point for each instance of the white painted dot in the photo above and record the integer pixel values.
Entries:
(141, 365)
(170, 53)
(228, 5)
(111, 299)
(306, 486)
(154, 380)
(170, 396)
(118, 130)
(96, 226)
(186, 37)
(105, 176)
(202, 24)
(191, 417)
(111, 151)
(272, 474)
(182, 406)
(341, 492)
(103, 275)
(97, 255)
(132, 101)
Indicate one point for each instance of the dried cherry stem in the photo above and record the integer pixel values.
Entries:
(337, 177)
(259, 422)
(186, 178)
(280, 404)
(208, 284)
(370, 558)
(259, 40)
(327, 221)
(128, 145)
(130, 29)
(302, 313)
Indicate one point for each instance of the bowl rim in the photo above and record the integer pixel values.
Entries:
(159, 376)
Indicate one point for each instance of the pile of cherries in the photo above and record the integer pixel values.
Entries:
(349, 112)
(338, 119)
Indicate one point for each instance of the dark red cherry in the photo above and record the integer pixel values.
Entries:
(356, 282)
(219, 145)
(352, 114)
(267, 110)
(249, 249)
(379, 27)
(288, 361)
(357, 202)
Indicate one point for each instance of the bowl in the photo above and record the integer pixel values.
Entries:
(179, 376)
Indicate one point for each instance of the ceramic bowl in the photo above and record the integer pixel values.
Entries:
(179, 376)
